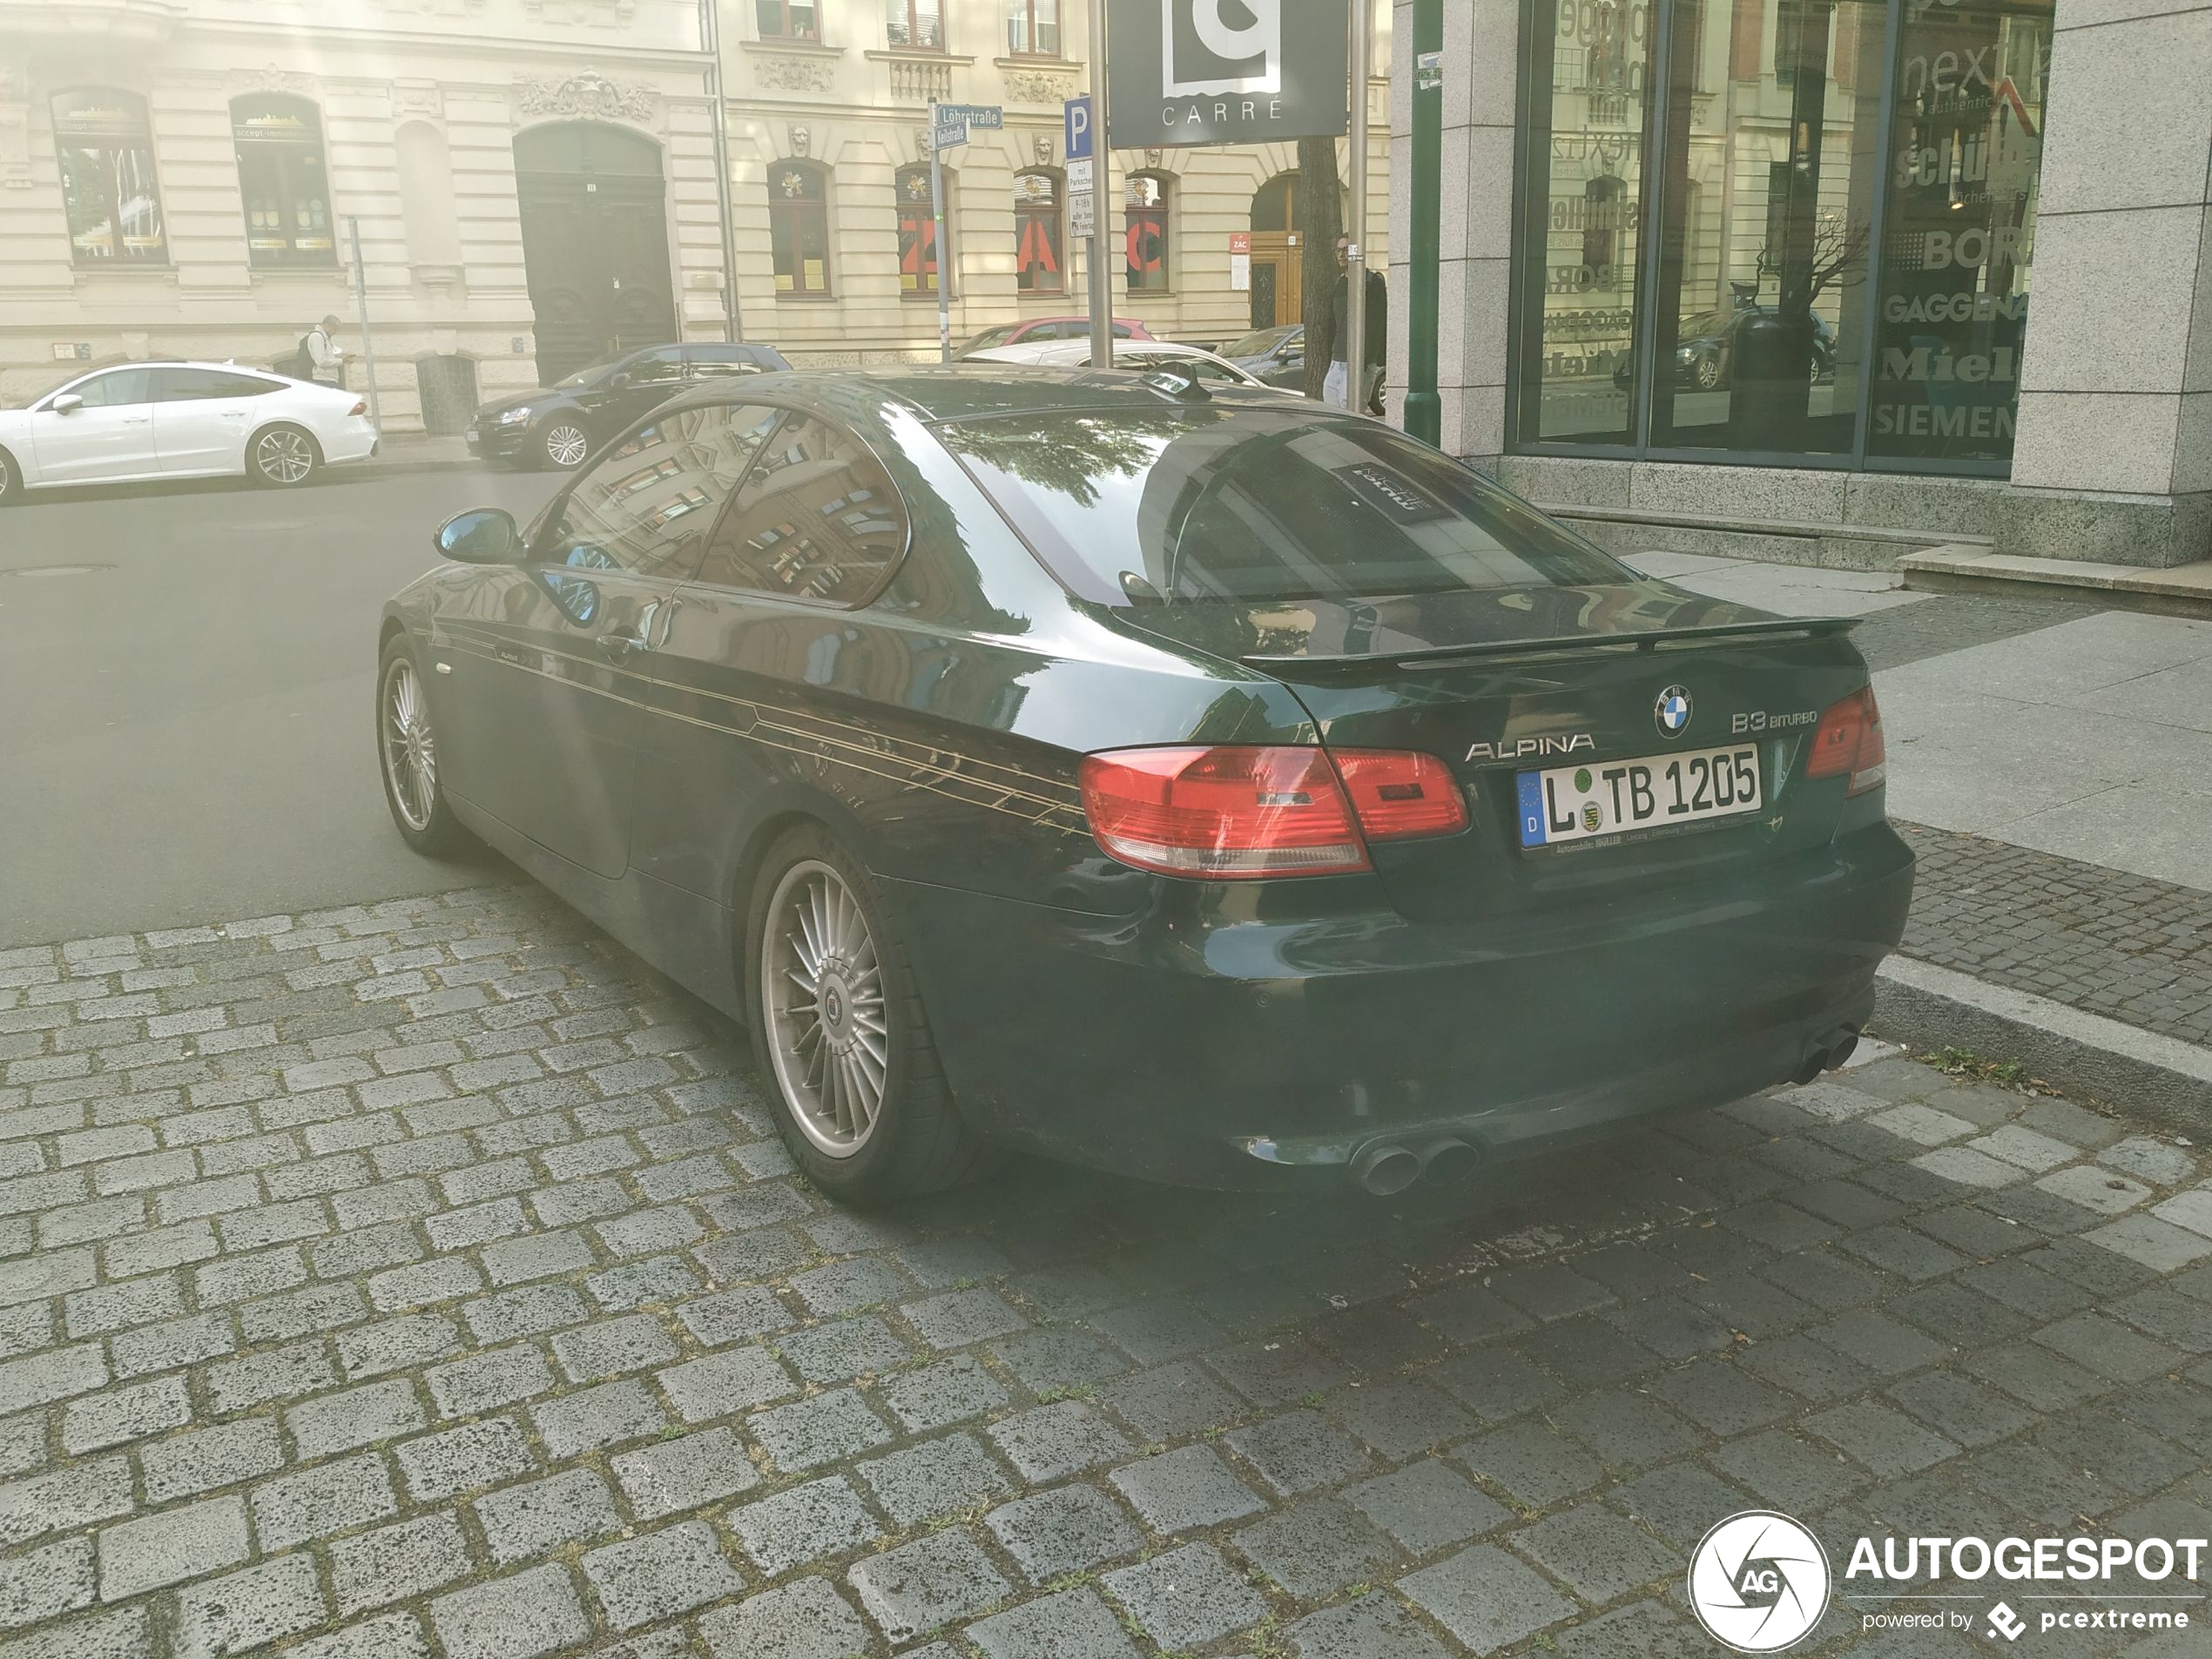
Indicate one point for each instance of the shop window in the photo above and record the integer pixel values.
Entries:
(281, 178)
(1040, 264)
(917, 230)
(787, 19)
(105, 149)
(1033, 28)
(799, 227)
(1145, 212)
(915, 23)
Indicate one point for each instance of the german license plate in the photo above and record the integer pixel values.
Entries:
(473, 436)
(1605, 798)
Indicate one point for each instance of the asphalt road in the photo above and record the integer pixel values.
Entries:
(188, 723)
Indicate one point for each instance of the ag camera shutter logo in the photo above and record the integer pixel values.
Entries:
(1758, 1581)
(1203, 50)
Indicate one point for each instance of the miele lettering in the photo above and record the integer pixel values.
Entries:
(1924, 363)
(1955, 307)
(1519, 747)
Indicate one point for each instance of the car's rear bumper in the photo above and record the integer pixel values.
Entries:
(355, 439)
(1231, 1052)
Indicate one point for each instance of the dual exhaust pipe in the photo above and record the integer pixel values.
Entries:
(1825, 1054)
(1385, 1168)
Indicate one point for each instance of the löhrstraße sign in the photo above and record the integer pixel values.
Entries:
(1224, 71)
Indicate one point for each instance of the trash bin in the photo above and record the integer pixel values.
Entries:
(1770, 380)
(446, 386)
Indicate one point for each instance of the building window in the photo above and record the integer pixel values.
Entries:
(1145, 210)
(1787, 278)
(1040, 265)
(915, 23)
(918, 231)
(108, 189)
(1033, 28)
(1275, 205)
(787, 19)
(281, 177)
(799, 227)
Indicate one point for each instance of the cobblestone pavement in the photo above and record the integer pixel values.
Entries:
(425, 1279)
(2124, 945)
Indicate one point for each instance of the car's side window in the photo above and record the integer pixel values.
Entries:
(648, 502)
(705, 362)
(187, 385)
(111, 390)
(665, 363)
(818, 519)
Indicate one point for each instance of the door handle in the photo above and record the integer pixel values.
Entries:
(617, 648)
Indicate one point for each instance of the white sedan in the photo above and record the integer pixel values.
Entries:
(173, 420)
(1141, 355)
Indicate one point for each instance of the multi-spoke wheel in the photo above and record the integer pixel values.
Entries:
(282, 457)
(1708, 372)
(10, 481)
(839, 1030)
(566, 446)
(406, 749)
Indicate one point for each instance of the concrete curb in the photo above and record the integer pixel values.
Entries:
(2151, 1076)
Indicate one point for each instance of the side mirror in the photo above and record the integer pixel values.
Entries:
(482, 535)
(68, 403)
(621, 378)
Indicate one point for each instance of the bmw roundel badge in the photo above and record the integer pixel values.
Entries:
(1672, 711)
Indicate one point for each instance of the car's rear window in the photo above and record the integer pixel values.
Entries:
(1251, 505)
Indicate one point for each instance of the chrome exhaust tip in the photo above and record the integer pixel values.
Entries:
(1841, 1051)
(1449, 1160)
(1384, 1167)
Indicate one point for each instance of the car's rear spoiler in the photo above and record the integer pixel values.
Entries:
(1655, 639)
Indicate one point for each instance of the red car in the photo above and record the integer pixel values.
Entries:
(1036, 329)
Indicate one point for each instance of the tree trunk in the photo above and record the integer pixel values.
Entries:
(1320, 221)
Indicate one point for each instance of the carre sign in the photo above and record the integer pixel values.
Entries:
(1226, 71)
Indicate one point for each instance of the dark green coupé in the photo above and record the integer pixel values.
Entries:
(1193, 781)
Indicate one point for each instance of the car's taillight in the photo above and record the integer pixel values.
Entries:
(360, 407)
(1849, 744)
(1234, 813)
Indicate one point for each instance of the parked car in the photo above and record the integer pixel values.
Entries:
(1274, 355)
(563, 425)
(1036, 329)
(1705, 350)
(134, 422)
(1139, 355)
(1220, 788)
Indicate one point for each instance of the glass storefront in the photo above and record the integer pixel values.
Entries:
(1790, 230)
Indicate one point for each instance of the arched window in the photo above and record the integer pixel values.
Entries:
(108, 189)
(1145, 210)
(281, 175)
(1275, 204)
(918, 260)
(799, 227)
(1040, 262)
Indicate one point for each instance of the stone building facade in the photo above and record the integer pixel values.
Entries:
(1844, 281)
(534, 184)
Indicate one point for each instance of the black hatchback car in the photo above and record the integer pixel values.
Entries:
(1190, 781)
(562, 425)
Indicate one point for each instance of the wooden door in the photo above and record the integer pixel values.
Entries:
(595, 244)
(1278, 259)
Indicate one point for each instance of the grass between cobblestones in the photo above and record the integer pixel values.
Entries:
(426, 1279)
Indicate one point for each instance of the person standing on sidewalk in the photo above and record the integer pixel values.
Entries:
(1337, 387)
(326, 361)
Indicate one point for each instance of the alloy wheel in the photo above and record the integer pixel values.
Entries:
(1708, 373)
(822, 986)
(283, 457)
(565, 445)
(410, 748)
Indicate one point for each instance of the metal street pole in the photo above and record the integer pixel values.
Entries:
(1355, 276)
(368, 341)
(1101, 282)
(711, 30)
(1424, 408)
(936, 250)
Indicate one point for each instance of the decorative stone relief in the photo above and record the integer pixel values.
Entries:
(418, 97)
(787, 74)
(1034, 86)
(588, 94)
(273, 79)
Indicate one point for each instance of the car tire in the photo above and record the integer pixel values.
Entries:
(10, 480)
(1706, 371)
(816, 1052)
(282, 457)
(564, 444)
(406, 756)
